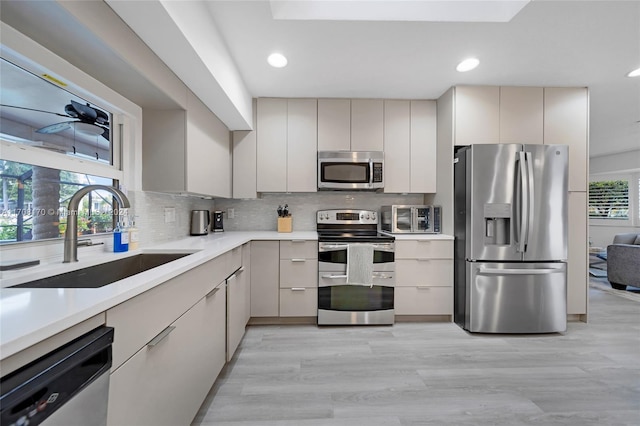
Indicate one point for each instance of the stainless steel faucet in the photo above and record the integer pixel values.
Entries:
(71, 234)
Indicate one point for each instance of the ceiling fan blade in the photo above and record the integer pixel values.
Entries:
(33, 109)
(55, 128)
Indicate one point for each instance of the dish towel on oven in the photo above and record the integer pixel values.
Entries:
(360, 264)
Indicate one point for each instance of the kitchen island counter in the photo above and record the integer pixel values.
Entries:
(29, 316)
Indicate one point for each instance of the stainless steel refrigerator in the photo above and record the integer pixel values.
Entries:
(511, 238)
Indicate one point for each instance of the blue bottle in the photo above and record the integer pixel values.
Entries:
(120, 239)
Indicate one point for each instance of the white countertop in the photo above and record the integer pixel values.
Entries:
(28, 316)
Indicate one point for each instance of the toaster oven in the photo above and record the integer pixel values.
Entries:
(411, 219)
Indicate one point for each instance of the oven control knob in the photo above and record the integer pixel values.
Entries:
(367, 216)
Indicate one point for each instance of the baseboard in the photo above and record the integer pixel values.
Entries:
(424, 318)
(283, 320)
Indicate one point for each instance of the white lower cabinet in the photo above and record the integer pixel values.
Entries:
(424, 277)
(237, 288)
(265, 275)
(165, 382)
(424, 300)
(298, 278)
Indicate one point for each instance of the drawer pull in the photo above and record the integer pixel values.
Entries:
(212, 292)
(423, 260)
(297, 289)
(298, 241)
(423, 287)
(298, 260)
(164, 333)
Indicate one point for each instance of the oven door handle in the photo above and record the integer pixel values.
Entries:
(331, 247)
(387, 247)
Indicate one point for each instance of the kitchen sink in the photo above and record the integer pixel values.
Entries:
(105, 273)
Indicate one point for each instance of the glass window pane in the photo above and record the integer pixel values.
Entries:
(36, 112)
(34, 201)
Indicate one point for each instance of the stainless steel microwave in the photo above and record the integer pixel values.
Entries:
(416, 219)
(350, 170)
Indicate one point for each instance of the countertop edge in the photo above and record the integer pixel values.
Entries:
(44, 326)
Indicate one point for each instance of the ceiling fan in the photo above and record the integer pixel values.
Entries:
(91, 121)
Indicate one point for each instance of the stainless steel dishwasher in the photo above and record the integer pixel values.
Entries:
(68, 386)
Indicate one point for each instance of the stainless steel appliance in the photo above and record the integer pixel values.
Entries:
(68, 386)
(511, 238)
(411, 219)
(342, 303)
(199, 222)
(217, 225)
(350, 170)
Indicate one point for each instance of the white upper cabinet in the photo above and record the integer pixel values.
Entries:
(350, 124)
(477, 115)
(397, 146)
(245, 161)
(423, 147)
(521, 115)
(334, 124)
(566, 122)
(302, 145)
(186, 151)
(272, 145)
(286, 155)
(367, 117)
(410, 146)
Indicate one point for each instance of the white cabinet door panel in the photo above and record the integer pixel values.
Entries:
(424, 249)
(367, 117)
(334, 125)
(424, 272)
(423, 301)
(272, 145)
(302, 145)
(423, 162)
(397, 146)
(298, 302)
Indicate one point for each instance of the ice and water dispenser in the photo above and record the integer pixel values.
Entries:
(497, 224)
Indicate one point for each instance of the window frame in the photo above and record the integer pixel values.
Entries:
(633, 195)
(125, 130)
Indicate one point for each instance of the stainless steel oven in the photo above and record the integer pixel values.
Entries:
(341, 303)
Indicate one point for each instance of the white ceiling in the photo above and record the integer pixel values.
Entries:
(548, 43)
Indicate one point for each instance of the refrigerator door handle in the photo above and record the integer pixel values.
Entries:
(522, 203)
(530, 198)
(500, 271)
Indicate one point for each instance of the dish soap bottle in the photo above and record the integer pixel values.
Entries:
(120, 239)
(133, 235)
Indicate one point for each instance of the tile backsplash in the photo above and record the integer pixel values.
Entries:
(149, 210)
(260, 214)
(249, 215)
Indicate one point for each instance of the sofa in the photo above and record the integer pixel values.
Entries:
(623, 261)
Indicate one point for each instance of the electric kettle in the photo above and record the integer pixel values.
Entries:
(199, 222)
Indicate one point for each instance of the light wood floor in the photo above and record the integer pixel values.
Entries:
(435, 374)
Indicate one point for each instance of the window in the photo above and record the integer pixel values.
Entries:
(34, 200)
(55, 138)
(36, 112)
(609, 199)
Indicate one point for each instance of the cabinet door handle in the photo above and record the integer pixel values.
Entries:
(164, 333)
(297, 288)
(298, 260)
(212, 292)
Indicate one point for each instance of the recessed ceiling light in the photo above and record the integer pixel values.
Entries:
(634, 73)
(467, 65)
(277, 60)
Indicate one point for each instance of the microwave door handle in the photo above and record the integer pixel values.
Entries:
(414, 220)
(370, 173)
